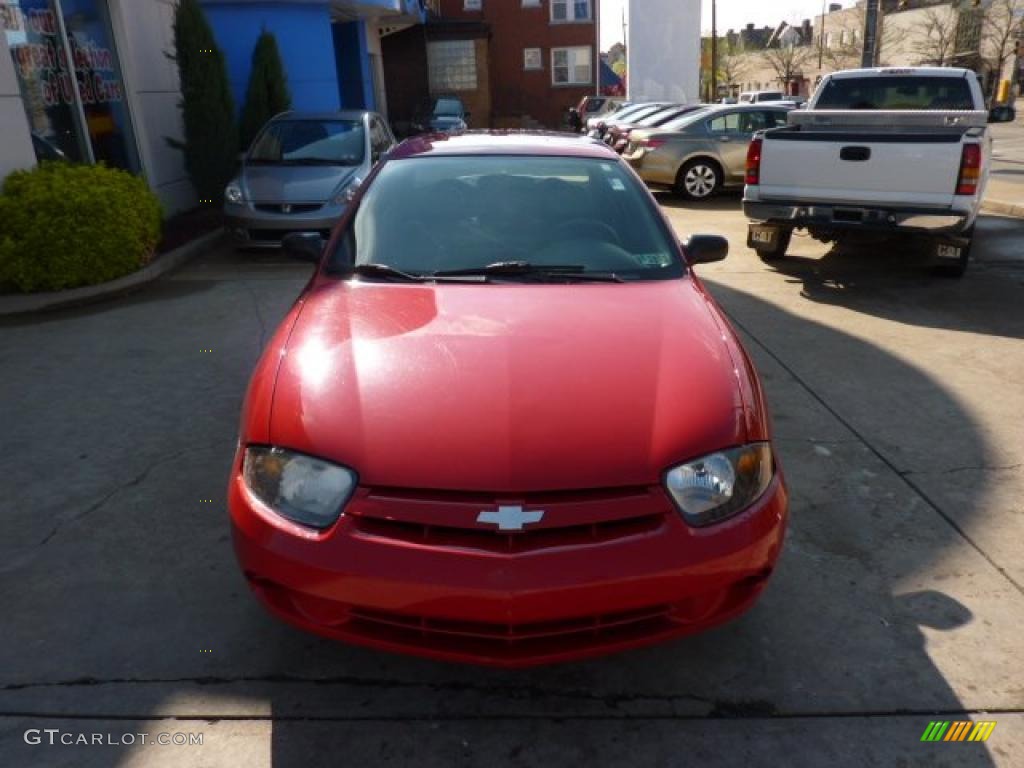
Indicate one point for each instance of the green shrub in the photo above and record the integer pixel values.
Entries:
(267, 94)
(68, 225)
(207, 108)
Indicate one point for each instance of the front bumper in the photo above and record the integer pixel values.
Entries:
(256, 228)
(508, 599)
(862, 218)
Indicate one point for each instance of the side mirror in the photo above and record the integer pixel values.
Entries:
(303, 246)
(705, 249)
(1003, 114)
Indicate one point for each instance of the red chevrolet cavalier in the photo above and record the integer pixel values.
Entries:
(505, 423)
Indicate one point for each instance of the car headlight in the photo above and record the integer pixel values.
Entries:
(721, 484)
(305, 490)
(348, 192)
(233, 193)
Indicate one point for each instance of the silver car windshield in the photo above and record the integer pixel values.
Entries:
(310, 142)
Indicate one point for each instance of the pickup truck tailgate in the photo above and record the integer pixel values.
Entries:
(860, 168)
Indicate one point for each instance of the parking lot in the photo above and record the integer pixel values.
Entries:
(898, 600)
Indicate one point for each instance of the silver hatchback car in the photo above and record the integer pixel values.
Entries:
(702, 152)
(300, 173)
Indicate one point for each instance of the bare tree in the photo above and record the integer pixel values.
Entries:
(787, 62)
(1003, 24)
(732, 68)
(936, 45)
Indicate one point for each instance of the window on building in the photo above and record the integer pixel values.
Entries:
(532, 59)
(452, 65)
(531, 3)
(571, 66)
(570, 10)
(472, 5)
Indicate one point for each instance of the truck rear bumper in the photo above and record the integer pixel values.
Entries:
(862, 218)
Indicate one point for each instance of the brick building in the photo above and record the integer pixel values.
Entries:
(515, 63)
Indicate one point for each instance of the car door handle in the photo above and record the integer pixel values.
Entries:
(855, 154)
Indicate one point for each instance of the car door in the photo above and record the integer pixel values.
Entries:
(728, 143)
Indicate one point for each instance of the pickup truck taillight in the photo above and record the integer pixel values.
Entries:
(970, 170)
(754, 162)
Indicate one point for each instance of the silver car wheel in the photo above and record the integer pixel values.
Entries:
(700, 181)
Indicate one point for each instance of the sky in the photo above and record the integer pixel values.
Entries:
(731, 14)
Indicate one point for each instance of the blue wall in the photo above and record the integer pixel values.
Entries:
(355, 80)
(304, 37)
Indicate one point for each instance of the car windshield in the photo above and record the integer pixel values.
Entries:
(447, 108)
(685, 120)
(902, 92)
(571, 215)
(664, 114)
(310, 142)
(593, 105)
(770, 96)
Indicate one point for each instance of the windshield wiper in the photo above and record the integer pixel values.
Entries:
(526, 269)
(387, 272)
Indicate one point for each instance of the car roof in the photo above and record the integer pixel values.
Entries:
(541, 143)
(341, 114)
(915, 71)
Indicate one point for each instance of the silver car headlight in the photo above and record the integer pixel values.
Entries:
(722, 484)
(300, 488)
(233, 193)
(348, 192)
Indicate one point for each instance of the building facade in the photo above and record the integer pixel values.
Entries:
(540, 58)
(93, 81)
(961, 33)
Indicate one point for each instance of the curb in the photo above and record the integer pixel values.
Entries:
(20, 304)
(1004, 209)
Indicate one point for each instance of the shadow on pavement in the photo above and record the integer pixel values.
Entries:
(129, 576)
(893, 279)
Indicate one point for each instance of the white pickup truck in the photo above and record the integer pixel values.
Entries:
(876, 150)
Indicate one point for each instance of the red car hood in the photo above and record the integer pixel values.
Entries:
(507, 387)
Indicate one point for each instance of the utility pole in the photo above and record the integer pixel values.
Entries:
(714, 51)
(821, 36)
(872, 21)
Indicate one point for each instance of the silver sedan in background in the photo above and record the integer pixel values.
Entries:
(300, 173)
(702, 152)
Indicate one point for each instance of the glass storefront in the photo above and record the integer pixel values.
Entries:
(70, 80)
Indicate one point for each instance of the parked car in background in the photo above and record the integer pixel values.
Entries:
(594, 127)
(606, 476)
(440, 114)
(596, 107)
(300, 173)
(704, 152)
(884, 151)
(756, 97)
(621, 119)
(618, 134)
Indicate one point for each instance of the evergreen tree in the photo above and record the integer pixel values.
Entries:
(267, 94)
(208, 111)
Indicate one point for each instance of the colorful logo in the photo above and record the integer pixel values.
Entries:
(962, 730)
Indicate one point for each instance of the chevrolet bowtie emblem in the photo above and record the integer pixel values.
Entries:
(510, 518)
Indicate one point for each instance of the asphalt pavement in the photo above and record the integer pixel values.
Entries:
(898, 599)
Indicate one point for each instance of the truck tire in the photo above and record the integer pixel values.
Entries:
(781, 246)
(699, 179)
(957, 268)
